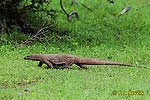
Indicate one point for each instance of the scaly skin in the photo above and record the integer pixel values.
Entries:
(66, 60)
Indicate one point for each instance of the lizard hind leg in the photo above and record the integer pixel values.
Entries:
(82, 66)
(67, 67)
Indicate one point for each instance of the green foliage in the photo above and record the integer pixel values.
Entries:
(14, 12)
(98, 34)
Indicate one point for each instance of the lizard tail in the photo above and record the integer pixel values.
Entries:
(89, 61)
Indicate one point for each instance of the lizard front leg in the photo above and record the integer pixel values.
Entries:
(48, 63)
(82, 66)
(40, 64)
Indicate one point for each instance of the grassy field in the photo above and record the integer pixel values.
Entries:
(97, 34)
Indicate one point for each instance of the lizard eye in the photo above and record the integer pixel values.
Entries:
(28, 56)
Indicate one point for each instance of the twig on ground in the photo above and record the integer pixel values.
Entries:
(39, 32)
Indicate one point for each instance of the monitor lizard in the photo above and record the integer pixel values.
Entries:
(66, 60)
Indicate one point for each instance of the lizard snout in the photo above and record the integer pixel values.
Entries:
(26, 58)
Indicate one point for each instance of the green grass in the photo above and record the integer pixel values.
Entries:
(24, 80)
(98, 34)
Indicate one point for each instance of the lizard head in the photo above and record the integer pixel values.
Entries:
(32, 57)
